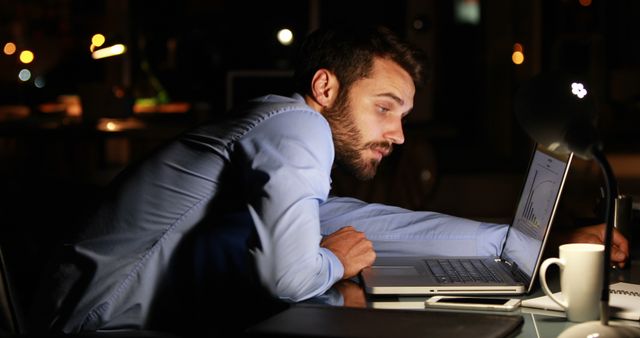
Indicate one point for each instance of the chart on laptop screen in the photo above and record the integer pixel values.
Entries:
(535, 210)
(539, 195)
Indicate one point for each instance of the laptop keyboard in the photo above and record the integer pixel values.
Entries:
(461, 271)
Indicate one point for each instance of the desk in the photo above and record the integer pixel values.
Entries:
(537, 323)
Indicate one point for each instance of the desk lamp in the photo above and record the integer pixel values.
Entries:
(559, 112)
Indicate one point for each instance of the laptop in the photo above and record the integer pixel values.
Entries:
(512, 273)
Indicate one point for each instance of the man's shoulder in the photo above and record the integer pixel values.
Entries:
(292, 111)
(276, 99)
(274, 104)
(264, 116)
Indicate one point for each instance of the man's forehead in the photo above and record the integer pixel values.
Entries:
(391, 80)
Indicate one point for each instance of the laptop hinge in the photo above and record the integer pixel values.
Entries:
(514, 270)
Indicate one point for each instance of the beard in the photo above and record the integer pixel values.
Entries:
(347, 140)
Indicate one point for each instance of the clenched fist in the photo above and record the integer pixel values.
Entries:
(352, 248)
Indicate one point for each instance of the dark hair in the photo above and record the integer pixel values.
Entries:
(348, 52)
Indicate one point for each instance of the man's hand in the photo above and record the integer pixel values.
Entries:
(595, 234)
(352, 248)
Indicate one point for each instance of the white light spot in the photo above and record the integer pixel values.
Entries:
(578, 90)
(24, 75)
(285, 36)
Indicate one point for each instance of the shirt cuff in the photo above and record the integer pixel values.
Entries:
(336, 269)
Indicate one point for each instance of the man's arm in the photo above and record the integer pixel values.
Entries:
(287, 168)
(401, 232)
(398, 231)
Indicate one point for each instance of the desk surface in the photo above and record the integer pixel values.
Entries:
(537, 323)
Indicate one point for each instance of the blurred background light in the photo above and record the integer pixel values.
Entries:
(517, 58)
(39, 82)
(98, 40)
(517, 47)
(24, 75)
(109, 51)
(26, 56)
(285, 36)
(578, 90)
(467, 11)
(585, 3)
(418, 24)
(9, 48)
(518, 54)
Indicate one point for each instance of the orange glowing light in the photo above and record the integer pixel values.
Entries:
(585, 3)
(517, 58)
(9, 48)
(114, 125)
(517, 47)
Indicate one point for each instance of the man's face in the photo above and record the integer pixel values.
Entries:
(367, 120)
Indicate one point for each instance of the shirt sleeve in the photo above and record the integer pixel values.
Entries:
(400, 232)
(290, 157)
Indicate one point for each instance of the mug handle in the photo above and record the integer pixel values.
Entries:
(543, 279)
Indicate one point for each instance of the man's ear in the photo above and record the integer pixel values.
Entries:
(324, 87)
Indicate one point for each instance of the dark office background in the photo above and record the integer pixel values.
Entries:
(189, 61)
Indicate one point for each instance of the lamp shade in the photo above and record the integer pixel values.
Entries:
(559, 112)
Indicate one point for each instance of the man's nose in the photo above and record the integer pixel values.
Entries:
(395, 134)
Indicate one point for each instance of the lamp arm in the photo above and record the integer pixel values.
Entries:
(611, 188)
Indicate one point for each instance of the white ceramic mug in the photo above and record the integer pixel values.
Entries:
(581, 267)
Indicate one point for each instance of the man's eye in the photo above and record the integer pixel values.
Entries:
(382, 109)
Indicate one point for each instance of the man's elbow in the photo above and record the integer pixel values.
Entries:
(297, 289)
(294, 295)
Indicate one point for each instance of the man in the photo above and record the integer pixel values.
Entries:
(232, 214)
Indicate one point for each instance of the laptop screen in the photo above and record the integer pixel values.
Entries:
(536, 209)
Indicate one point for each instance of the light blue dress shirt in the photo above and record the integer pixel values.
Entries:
(396, 231)
(274, 163)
